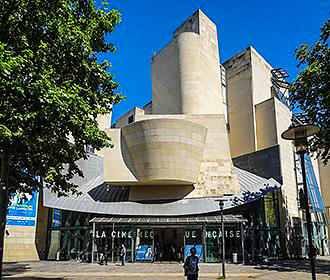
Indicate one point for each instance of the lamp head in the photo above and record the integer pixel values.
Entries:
(223, 199)
(299, 135)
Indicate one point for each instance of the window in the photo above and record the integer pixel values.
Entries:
(224, 92)
(131, 119)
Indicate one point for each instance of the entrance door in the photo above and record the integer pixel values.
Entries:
(169, 244)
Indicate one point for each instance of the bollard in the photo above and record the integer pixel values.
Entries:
(235, 258)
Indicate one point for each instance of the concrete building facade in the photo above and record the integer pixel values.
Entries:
(210, 131)
(258, 113)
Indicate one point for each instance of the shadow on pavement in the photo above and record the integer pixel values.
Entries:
(14, 268)
(33, 278)
(12, 271)
(322, 266)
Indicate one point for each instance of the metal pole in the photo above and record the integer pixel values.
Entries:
(93, 243)
(153, 245)
(308, 217)
(113, 244)
(204, 244)
(184, 245)
(133, 245)
(223, 244)
(242, 240)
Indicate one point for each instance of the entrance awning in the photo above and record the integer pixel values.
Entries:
(216, 219)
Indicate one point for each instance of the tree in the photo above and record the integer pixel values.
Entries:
(310, 92)
(52, 87)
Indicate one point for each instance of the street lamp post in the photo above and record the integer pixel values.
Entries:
(221, 205)
(299, 135)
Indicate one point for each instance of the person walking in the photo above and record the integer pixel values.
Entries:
(172, 253)
(182, 253)
(123, 254)
(156, 252)
(191, 265)
(104, 255)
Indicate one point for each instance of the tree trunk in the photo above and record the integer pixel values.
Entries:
(3, 202)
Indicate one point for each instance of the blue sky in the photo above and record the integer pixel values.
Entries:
(274, 28)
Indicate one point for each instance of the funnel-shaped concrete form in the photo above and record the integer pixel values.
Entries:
(164, 151)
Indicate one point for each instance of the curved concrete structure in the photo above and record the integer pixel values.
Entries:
(162, 151)
(186, 73)
(200, 80)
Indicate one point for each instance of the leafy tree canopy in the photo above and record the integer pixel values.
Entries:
(311, 90)
(52, 87)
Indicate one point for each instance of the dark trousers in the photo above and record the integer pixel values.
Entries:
(192, 277)
(123, 260)
(104, 258)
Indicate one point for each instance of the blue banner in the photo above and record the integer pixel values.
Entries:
(199, 251)
(22, 210)
(56, 222)
(144, 253)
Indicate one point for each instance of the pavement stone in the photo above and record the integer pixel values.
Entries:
(279, 270)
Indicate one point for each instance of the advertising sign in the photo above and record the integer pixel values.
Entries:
(144, 253)
(56, 223)
(199, 251)
(22, 210)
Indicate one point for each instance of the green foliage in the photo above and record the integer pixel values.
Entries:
(52, 86)
(311, 90)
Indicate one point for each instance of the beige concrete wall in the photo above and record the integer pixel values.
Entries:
(55, 244)
(266, 124)
(217, 176)
(261, 77)
(289, 189)
(123, 120)
(324, 171)
(165, 76)
(41, 228)
(242, 136)
(115, 169)
(248, 84)
(272, 118)
(186, 73)
(20, 244)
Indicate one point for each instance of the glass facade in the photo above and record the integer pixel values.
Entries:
(319, 222)
(74, 241)
(262, 239)
(233, 242)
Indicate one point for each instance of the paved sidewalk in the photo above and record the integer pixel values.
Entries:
(281, 270)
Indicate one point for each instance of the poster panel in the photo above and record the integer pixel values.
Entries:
(199, 251)
(23, 209)
(144, 253)
(56, 222)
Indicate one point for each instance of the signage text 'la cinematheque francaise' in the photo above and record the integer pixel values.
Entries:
(211, 234)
